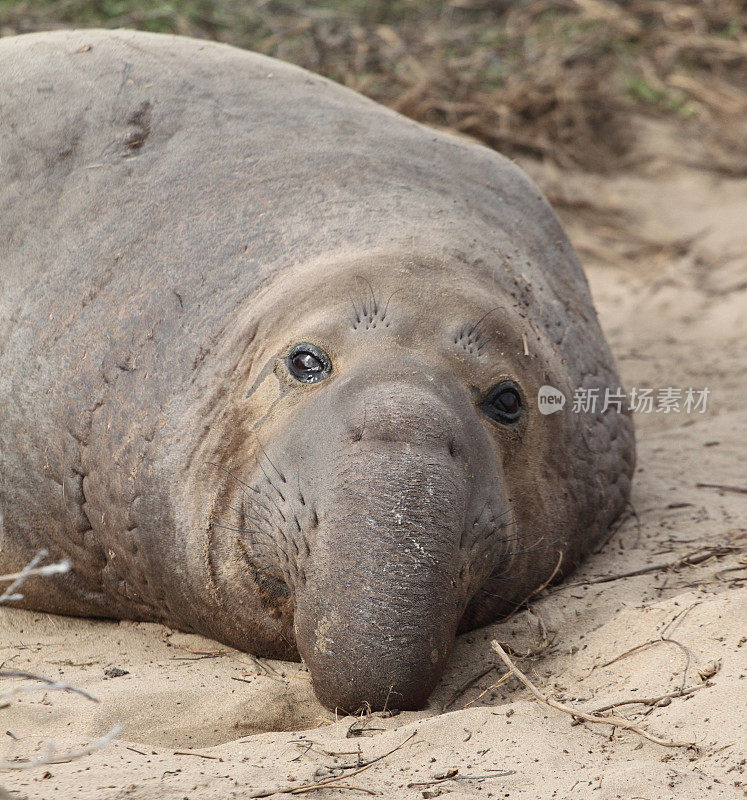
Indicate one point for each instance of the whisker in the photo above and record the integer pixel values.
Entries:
(482, 318)
(244, 512)
(535, 549)
(237, 479)
(258, 518)
(482, 511)
(386, 307)
(373, 296)
(269, 480)
(484, 593)
(274, 502)
(516, 537)
(264, 452)
(269, 554)
(355, 308)
(249, 498)
(229, 527)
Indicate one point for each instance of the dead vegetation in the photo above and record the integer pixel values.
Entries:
(555, 79)
(611, 719)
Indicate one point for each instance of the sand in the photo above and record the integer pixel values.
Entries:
(665, 249)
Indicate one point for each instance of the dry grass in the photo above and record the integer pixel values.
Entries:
(557, 79)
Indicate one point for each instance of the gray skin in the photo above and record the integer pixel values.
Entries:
(175, 217)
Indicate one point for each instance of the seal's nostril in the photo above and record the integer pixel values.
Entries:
(452, 448)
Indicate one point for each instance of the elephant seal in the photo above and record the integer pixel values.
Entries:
(270, 357)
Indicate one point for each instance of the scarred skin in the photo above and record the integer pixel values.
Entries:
(175, 217)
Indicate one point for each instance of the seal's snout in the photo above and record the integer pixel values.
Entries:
(377, 615)
(384, 585)
(360, 655)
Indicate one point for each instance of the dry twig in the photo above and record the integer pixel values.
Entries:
(452, 775)
(54, 757)
(688, 560)
(197, 755)
(617, 722)
(334, 782)
(47, 685)
(165, 638)
(466, 686)
(649, 701)
(11, 594)
(723, 487)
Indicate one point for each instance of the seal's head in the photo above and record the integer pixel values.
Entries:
(394, 479)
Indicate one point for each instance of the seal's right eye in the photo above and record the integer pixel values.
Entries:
(308, 363)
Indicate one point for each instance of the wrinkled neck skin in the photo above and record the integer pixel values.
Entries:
(359, 520)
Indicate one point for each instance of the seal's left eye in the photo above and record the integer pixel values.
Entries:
(308, 363)
(503, 402)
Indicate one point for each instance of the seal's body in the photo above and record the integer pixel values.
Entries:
(269, 362)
